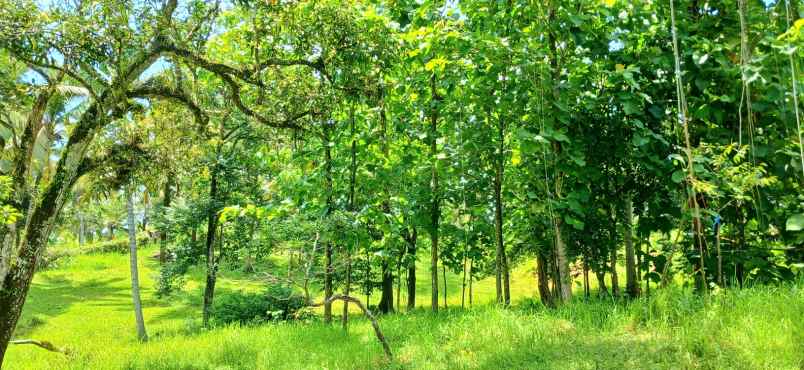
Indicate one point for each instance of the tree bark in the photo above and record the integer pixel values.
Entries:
(411, 283)
(352, 208)
(328, 247)
(543, 282)
(615, 284)
(503, 296)
(346, 291)
(212, 264)
(163, 236)
(81, 230)
(564, 278)
(142, 335)
(444, 275)
(585, 277)
(386, 304)
(631, 284)
(600, 274)
(435, 211)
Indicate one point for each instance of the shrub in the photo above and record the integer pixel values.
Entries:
(277, 302)
(119, 245)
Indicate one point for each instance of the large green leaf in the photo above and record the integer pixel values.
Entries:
(795, 222)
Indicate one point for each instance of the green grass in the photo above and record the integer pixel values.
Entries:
(85, 305)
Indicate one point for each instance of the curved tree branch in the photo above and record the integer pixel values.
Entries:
(368, 314)
(172, 94)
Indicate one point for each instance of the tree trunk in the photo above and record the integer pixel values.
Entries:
(615, 284)
(386, 304)
(631, 284)
(543, 282)
(463, 282)
(471, 262)
(352, 208)
(328, 281)
(142, 335)
(600, 274)
(435, 211)
(564, 278)
(367, 283)
(399, 285)
(504, 292)
(411, 284)
(719, 257)
(444, 275)
(346, 291)
(212, 265)
(163, 236)
(81, 230)
(585, 277)
(328, 247)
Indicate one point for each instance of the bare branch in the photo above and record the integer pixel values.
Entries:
(44, 344)
(368, 314)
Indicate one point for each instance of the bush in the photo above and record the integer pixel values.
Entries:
(277, 302)
(119, 245)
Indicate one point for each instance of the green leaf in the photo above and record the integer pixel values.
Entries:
(795, 222)
(678, 176)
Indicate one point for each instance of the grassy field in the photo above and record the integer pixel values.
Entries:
(85, 305)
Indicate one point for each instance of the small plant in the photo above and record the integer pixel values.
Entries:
(277, 302)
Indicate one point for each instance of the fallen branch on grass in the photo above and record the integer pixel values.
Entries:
(368, 314)
(44, 344)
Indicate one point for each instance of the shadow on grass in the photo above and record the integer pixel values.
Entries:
(53, 295)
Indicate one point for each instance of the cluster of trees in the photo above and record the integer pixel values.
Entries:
(358, 138)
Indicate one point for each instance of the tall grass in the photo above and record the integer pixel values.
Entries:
(85, 305)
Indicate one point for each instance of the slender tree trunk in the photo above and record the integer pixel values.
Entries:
(142, 335)
(463, 282)
(81, 229)
(504, 292)
(346, 290)
(386, 304)
(368, 278)
(212, 264)
(682, 120)
(435, 210)
(740, 246)
(615, 283)
(399, 285)
(444, 275)
(631, 284)
(328, 247)
(411, 284)
(585, 277)
(639, 254)
(163, 236)
(471, 262)
(719, 257)
(352, 208)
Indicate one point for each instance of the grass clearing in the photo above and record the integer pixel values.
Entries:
(85, 304)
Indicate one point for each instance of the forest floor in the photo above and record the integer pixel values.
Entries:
(85, 305)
